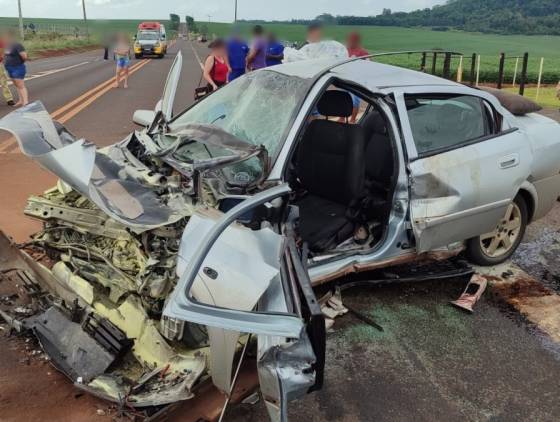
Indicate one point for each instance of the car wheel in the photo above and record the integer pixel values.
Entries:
(138, 56)
(499, 245)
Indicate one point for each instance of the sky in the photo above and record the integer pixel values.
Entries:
(220, 10)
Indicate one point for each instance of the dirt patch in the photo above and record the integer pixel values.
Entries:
(44, 54)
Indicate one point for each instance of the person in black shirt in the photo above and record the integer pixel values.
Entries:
(15, 57)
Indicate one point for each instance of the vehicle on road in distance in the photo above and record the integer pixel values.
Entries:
(212, 225)
(151, 40)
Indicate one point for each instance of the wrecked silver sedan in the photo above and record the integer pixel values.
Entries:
(203, 234)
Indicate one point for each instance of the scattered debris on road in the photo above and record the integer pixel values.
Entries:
(473, 292)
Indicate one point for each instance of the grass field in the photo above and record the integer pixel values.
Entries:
(387, 39)
(547, 96)
(96, 25)
(67, 26)
(376, 40)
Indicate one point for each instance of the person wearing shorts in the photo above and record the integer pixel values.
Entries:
(15, 57)
(122, 55)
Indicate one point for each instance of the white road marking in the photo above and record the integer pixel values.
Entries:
(51, 72)
(196, 55)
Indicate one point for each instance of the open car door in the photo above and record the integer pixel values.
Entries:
(165, 104)
(235, 279)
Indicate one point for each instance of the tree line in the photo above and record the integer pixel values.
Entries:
(530, 17)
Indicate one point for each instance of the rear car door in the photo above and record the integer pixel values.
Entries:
(465, 165)
(241, 274)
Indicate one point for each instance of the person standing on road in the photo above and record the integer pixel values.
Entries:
(257, 55)
(216, 67)
(15, 57)
(122, 55)
(6, 93)
(237, 50)
(275, 51)
(355, 49)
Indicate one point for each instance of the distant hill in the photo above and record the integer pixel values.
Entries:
(529, 17)
(491, 16)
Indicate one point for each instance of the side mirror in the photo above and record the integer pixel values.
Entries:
(144, 117)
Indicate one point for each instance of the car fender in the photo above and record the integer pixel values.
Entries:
(531, 197)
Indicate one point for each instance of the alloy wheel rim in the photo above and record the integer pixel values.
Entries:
(503, 239)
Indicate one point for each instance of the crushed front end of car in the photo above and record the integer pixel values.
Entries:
(102, 270)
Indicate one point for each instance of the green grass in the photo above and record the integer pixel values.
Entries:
(378, 40)
(63, 30)
(95, 25)
(388, 39)
(547, 96)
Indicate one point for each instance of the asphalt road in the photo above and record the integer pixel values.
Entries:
(431, 362)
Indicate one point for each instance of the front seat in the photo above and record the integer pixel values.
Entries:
(379, 153)
(330, 166)
(379, 165)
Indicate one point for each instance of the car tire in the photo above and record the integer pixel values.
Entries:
(498, 246)
(138, 56)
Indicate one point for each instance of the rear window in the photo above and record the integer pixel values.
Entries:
(444, 123)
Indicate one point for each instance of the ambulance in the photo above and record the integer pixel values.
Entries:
(151, 40)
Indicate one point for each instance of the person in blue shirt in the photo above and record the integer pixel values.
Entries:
(237, 50)
(275, 51)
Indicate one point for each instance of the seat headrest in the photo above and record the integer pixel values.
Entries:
(335, 104)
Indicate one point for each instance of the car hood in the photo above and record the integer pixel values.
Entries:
(112, 177)
(100, 175)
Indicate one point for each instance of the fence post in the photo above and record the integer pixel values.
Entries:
(423, 63)
(501, 70)
(540, 79)
(460, 70)
(447, 66)
(515, 71)
(434, 64)
(477, 69)
(473, 68)
(524, 74)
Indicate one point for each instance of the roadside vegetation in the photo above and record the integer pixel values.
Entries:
(528, 17)
(379, 39)
(69, 34)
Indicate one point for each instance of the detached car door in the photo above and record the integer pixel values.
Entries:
(465, 166)
(241, 272)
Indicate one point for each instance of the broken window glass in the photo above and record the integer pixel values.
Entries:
(258, 108)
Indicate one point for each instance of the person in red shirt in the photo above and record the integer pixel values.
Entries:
(355, 49)
(7, 94)
(216, 67)
(354, 45)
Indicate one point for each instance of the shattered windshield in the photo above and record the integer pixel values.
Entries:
(257, 108)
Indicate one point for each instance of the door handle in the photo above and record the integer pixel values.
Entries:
(509, 161)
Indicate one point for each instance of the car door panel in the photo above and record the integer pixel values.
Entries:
(181, 304)
(463, 192)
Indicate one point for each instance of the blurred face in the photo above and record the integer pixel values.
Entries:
(219, 51)
(6, 37)
(354, 40)
(315, 35)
